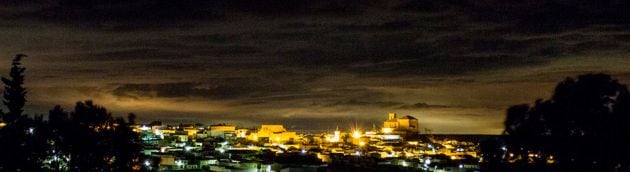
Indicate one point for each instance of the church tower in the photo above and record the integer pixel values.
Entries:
(392, 115)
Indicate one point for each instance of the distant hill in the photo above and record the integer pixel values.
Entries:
(461, 137)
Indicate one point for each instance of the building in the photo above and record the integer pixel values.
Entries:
(221, 130)
(406, 124)
(273, 134)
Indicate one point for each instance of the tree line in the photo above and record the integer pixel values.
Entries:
(88, 138)
(582, 127)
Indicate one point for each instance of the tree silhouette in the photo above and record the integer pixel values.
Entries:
(86, 139)
(22, 147)
(14, 94)
(93, 140)
(580, 126)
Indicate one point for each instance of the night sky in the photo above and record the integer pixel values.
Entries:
(311, 64)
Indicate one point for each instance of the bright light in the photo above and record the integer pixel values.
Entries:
(31, 130)
(268, 168)
(303, 151)
(404, 163)
(427, 161)
(461, 165)
(361, 143)
(221, 150)
(387, 130)
(277, 139)
(504, 148)
(144, 128)
(356, 134)
(147, 163)
(357, 153)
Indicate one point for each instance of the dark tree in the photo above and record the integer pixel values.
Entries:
(95, 141)
(87, 139)
(14, 93)
(131, 118)
(581, 126)
(21, 144)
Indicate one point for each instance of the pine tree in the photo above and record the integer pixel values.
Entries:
(14, 93)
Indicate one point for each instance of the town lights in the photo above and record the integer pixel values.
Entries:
(179, 163)
(356, 134)
(387, 130)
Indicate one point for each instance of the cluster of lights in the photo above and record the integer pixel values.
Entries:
(144, 128)
(179, 163)
(387, 130)
(356, 134)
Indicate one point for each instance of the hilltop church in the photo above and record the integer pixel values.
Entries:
(407, 124)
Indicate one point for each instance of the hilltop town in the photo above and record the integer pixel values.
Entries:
(397, 145)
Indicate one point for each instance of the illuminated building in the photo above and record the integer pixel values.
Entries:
(273, 134)
(241, 133)
(221, 130)
(156, 127)
(336, 137)
(405, 124)
(191, 132)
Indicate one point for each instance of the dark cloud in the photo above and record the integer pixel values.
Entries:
(131, 54)
(215, 88)
(183, 90)
(290, 61)
(422, 105)
(381, 104)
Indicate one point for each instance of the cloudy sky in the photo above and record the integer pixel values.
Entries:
(311, 64)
